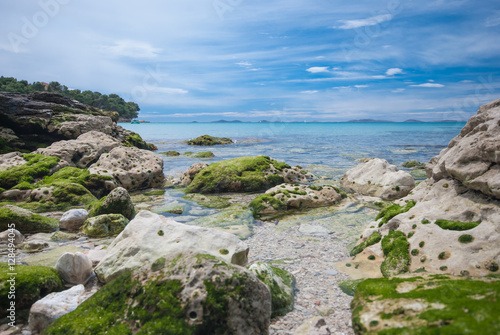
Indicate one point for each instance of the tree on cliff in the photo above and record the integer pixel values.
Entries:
(112, 102)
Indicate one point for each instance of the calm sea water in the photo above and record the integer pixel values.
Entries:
(327, 149)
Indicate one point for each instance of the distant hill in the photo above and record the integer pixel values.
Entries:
(369, 121)
(226, 121)
(413, 121)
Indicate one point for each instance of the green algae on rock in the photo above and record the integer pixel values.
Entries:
(396, 249)
(117, 202)
(456, 225)
(433, 304)
(187, 294)
(31, 284)
(247, 174)
(26, 221)
(170, 153)
(105, 225)
(280, 282)
(207, 140)
(209, 201)
(37, 166)
(374, 238)
(392, 210)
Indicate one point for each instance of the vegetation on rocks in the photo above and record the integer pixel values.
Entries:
(209, 201)
(105, 225)
(374, 238)
(207, 140)
(413, 165)
(456, 225)
(396, 249)
(26, 221)
(36, 167)
(135, 140)
(248, 174)
(32, 283)
(392, 210)
(427, 305)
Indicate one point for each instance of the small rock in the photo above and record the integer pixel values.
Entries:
(11, 236)
(330, 272)
(34, 246)
(73, 219)
(74, 268)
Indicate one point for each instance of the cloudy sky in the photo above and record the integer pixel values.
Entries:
(317, 60)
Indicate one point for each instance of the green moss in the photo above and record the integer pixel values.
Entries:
(105, 225)
(31, 284)
(158, 264)
(414, 252)
(224, 251)
(170, 153)
(413, 165)
(410, 234)
(209, 201)
(239, 174)
(374, 238)
(349, 286)
(124, 305)
(395, 246)
(392, 210)
(261, 201)
(443, 268)
(160, 233)
(467, 306)
(204, 154)
(425, 221)
(207, 140)
(123, 206)
(36, 167)
(421, 244)
(371, 257)
(25, 221)
(466, 238)
(456, 225)
(135, 140)
(492, 266)
(444, 255)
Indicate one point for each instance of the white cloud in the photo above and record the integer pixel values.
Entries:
(398, 90)
(244, 64)
(308, 92)
(318, 69)
(167, 90)
(428, 85)
(361, 86)
(133, 49)
(379, 77)
(467, 81)
(371, 21)
(493, 20)
(393, 71)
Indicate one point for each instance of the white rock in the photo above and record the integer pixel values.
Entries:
(378, 178)
(11, 236)
(74, 268)
(53, 306)
(150, 236)
(133, 168)
(73, 219)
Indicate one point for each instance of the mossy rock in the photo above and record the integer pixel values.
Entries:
(393, 210)
(26, 221)
(456, 225)
(31, 284)
(156, 301)
(209, 201)
(242, 174)
(105, 225)
(280, 282)
(349, 286)
(433, 304)
(396, 249)
(374, 238)
(207, 140)
(36, 167)
(135, 140)
(204, 154)
(413, 165)
(117, 202)
(170, 153)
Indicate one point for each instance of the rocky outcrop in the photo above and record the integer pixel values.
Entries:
(132, 168)
(207, 140)
(83, 151)
(450, 222)
(42, 118)
(473, 156)
(378, 178)
(245, 174)
(150, 236)
(116, 202)
(179, 294)
(74, 268)
(53, 306)
(286, 197)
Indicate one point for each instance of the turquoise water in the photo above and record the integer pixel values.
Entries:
(327, 149)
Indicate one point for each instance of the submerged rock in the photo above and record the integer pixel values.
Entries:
(208, 140)
(179, 294)
(378, 178)
(150, 236)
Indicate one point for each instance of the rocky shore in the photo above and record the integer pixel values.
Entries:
(82, 213)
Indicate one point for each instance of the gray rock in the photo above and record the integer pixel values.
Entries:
(187, 177)
(73, 219)
(13, 236)
(74, 268)
(150, 236)
(378, 178)
(314, 230)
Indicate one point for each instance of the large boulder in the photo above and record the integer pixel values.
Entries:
(286, 197)
(180, 294)
(26, 221)
(188, 175)
(117, 202)
(53, 306)
(245, 174)
(74, 268)
(378, 178)
(448, 224)
(132, 168)
(83, 151)
(150, 236)
(472, 157)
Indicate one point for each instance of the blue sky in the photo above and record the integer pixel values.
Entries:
(302, 60)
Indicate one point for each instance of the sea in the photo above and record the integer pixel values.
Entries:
(326, 149)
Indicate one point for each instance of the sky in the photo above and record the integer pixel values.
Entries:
(276, 60)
